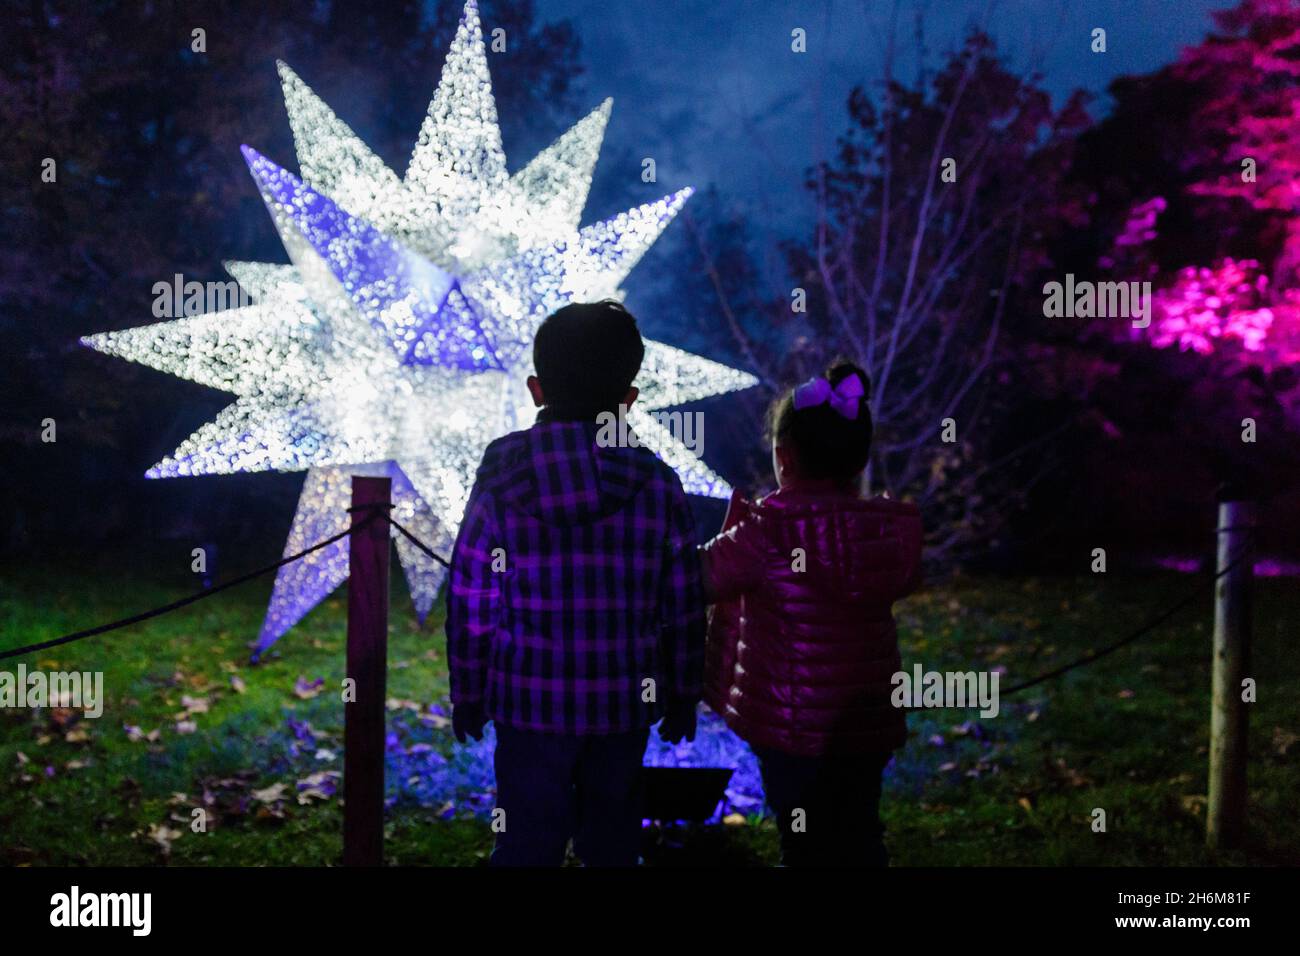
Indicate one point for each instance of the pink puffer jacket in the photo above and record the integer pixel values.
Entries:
(802, 644)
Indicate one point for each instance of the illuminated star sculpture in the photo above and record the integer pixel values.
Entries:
(398, 341)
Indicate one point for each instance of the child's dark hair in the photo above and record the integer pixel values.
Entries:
(825, 443)
(586, 356)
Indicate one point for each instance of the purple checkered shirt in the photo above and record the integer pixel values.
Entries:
(574, 580)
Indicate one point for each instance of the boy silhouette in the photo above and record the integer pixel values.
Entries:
(575, 615)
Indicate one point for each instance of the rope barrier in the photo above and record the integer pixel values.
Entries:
(419, 544)
(1142, 631)
(381, 510)
(192, 598)
(1151, 625)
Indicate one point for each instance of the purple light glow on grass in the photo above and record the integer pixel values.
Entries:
(1264, 567)
(715, 745)
(426, 767)
(1181, 565)
(1273, 568)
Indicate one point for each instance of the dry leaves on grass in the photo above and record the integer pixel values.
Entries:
(193, 705)
(221, 797)
(304, 689)
(271, 794)
(318, 786)
(1062, 773)
(162, 835)
(1283, 740)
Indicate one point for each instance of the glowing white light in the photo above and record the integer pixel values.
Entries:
(397, 342)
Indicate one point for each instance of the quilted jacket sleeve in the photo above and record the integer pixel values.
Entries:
(733, 561)
(731, 567)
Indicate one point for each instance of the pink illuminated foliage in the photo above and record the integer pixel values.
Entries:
(1243, 146)
(1225, 307)
(1253, 68)
(1228, 308)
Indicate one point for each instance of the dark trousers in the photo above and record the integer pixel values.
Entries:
(556, 786)
(827, 808)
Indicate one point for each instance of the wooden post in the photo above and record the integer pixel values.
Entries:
(1226, 813)
(367, 664)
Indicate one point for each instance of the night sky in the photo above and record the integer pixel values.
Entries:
(714, 94)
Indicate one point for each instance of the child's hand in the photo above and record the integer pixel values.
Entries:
(678, 722)
(467, 720)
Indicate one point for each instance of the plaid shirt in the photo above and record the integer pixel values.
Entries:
(574, 580)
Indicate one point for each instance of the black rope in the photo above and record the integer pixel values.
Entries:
(379, 509)
(1055, 672)
(1145, 629)
(1192, 595)
(419, 544)
(199, 596)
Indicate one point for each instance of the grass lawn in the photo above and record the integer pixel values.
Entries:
(189, 723)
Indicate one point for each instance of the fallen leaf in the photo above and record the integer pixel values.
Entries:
(1283, 741)
(163, 835)
(194, 705)
(318, 786)
(270, 794)
(306, 690)
(1067, 774)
